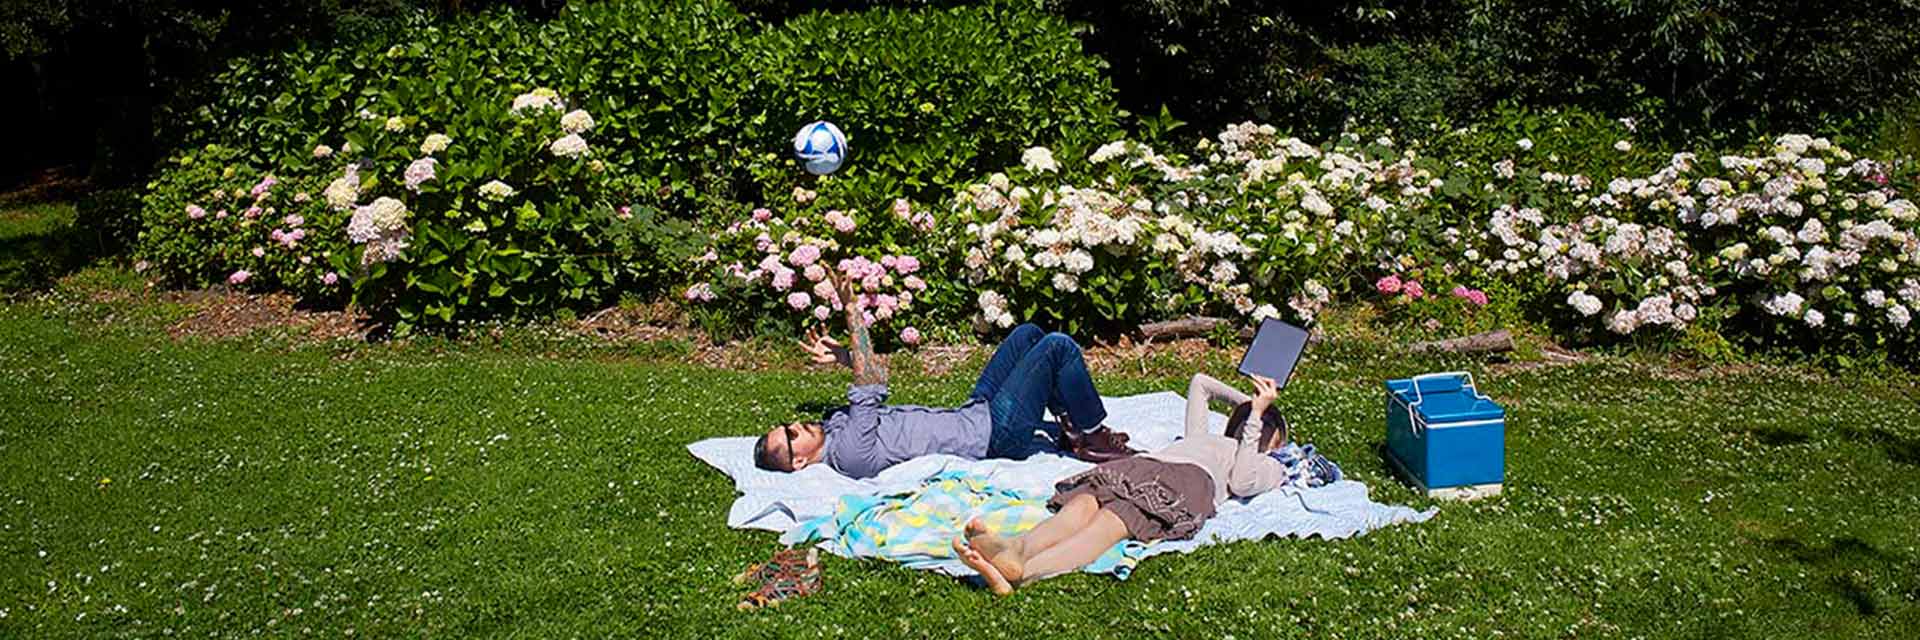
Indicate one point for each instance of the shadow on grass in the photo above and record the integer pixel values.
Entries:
(1778, 437)
(1845, 565)
(36, 260)
(1898, 449)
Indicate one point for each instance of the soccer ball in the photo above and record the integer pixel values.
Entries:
(821, 146)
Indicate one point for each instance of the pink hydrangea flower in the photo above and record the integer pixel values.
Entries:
(783, 280)
(1387, 286)
(914, 283)
(910, 336)
(258, 252)
(195, 212)
(906, 265)
(822, 313)
(804, 255)
(799, 300)
(253, 212)
(762, 242)
(1413, 289)
(762, 215)
(701, 292)
(1475, 296)
(816, 273)
(902, 208)
(239, 276)
(294, 220)
(330, 278)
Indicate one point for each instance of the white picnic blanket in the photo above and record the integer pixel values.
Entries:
(776, 501)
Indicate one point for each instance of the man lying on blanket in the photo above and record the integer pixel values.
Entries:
(1031, 372)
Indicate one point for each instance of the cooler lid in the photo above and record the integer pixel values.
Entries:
(1446, 398)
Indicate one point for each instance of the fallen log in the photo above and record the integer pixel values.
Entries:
(1489, 342)
(1189, 327)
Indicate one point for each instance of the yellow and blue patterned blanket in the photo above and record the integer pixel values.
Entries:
(917, 528)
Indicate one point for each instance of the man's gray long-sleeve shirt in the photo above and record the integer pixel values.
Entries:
(867, 436)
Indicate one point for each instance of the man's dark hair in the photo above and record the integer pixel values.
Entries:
(762, 457)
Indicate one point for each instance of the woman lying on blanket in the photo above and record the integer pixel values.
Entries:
(1165, 495)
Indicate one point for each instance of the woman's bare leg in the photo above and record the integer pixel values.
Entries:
(1073, 516)
(1077, 550)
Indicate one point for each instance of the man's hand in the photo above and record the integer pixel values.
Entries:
(819, 346)
(868, 368)
(1265, 390)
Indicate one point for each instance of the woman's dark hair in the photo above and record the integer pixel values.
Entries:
(1270, 421)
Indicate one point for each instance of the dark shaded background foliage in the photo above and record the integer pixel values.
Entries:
(105, 76)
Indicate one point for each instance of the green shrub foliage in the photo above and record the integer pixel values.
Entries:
(692, 108)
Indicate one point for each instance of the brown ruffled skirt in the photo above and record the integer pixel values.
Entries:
(1157, 500)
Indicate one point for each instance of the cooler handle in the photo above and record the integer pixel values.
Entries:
(1413, 419)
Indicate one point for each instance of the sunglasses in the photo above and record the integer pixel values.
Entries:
(791, 434)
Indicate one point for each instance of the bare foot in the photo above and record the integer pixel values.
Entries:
(996, 583)
(988, 544)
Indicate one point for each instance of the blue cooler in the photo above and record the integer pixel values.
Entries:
(1445, 436)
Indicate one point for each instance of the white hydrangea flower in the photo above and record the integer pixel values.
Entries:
(536, 100)
(1623, 322)
(1785, 304)
(1066, 282)
(576, 121)
(420, 172)
(344, 191)
(1109, 151)
(1814, 318)
(435, 143)
(571, 146)
(496, 190)
(396, 124)
(1039, 160)
(1899, 316)
(1586, 304)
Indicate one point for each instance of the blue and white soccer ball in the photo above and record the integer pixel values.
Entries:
(821, 146)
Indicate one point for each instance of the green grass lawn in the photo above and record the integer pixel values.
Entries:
(150, 487)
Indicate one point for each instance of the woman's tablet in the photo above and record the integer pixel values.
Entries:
(1276, 349)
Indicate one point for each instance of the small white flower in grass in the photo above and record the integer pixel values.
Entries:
(496, 190)
(576, 121)
(1622, 146)
(571, 146)
(1525, 144)
(435, 143)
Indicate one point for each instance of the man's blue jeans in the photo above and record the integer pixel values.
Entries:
(1031, 372)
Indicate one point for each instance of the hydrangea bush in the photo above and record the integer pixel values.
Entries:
(1802, 242)
(777, 270)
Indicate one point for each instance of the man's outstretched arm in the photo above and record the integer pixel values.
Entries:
(868, 367)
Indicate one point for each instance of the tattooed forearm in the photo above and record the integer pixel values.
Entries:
(868, 368)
